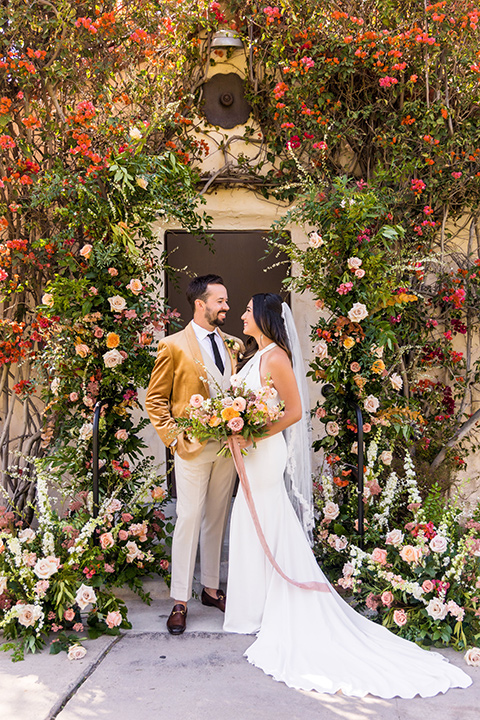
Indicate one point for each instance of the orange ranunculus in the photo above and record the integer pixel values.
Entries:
(113, 340)
(348, 342)
(378, 367)
(214, 421)
(229, 412)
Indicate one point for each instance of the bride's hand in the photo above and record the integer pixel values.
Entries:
(242, 442)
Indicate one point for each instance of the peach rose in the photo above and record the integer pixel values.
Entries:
(196, 400)
(114, 618)
(112, 358)
(314, 239)
(348, 343)
(394, 537)
(45, 567)
(112, 340)
(157, 493)
(28, 614)
(82, 350)
(135, 286)
(472, 657)
(332, 428)
(360, 273)
(69, 615)
(386, 457)
(400, 617)
(387, 598)
(123, 535)
(121, 434)
(117, 303)
(357, 313)
(239, 404)
(112, 271)
(367, 427)
(354, 263)
(379, 556)
(48, 300)
(331, 511)
(355, 367)
(396, 381)
(371, 404)
(410, 554)
(106, 540)
(76, 652)
(73, 397)
(86, 251)
(321, 350)
(85, 596)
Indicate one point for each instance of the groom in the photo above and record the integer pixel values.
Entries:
(185, 363)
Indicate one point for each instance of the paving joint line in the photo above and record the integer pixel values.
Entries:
(57, 709)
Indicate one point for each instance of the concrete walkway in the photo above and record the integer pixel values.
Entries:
(201, 675)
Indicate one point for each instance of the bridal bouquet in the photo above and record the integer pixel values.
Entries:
(236, 410)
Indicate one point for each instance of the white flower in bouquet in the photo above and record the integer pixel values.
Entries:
(438, 544)
(85, 596)
(112, 358)
(76, 652)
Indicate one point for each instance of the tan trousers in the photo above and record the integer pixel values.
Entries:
(204, 491)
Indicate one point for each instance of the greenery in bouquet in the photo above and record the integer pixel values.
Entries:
(236, 410)
(418, 572)
(59, 578)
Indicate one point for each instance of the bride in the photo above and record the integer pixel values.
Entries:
(308, 638)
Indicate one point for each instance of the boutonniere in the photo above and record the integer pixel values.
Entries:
(233, 345)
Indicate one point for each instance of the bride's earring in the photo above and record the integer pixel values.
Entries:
(261, 340)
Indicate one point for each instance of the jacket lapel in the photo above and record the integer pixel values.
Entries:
(229, 354)
(197, 357)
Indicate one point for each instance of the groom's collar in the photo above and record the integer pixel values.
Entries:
(201, 333)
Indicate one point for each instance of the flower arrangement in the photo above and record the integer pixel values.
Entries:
(419, 571)
(59, 578)
(236, 410)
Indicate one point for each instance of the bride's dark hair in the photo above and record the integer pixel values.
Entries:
(267, 313)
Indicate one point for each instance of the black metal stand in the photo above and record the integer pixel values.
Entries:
(328, 390)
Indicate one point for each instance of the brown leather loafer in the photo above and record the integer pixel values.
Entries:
(218, 602)
(177, 621)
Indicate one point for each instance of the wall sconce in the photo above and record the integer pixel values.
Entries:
(226, 39)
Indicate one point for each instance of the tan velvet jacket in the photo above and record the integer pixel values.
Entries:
(175, 378)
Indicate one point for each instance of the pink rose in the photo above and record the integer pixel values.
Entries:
(164, 564)
(321, 350)
(387, 598)
(126, 517)
(355, 367)
(93, 290)
(135, 286)
(427, 586)
(123, 535)
(367, 427)
(106, 540)
(235, 424)
(73, 397)
(69, 614)
(320, 413)
(112, 271)
(114, 618)
(359, 273)
(386, 457)
(196, 400)
(331, 511)
(98, 332)
(121, 434)
(400, 618)
(438, 544)
(45, 567)
(394, 537)
(379, 556)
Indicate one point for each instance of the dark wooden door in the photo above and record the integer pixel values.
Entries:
(239, 257)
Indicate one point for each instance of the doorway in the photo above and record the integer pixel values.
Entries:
(238, 256)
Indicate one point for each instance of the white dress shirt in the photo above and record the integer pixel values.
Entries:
(205, 343)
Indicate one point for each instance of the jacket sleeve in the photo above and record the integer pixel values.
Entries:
(158, 399)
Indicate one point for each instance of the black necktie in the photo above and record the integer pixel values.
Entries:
(216, 353)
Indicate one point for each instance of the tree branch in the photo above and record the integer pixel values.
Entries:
(463, 430)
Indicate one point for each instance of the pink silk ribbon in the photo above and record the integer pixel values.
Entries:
(240, 467)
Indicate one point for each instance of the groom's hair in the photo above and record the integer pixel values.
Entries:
(197, 288)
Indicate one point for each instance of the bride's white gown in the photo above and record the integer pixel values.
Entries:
(307, 639)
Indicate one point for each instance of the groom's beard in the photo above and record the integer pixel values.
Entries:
(215, 320)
